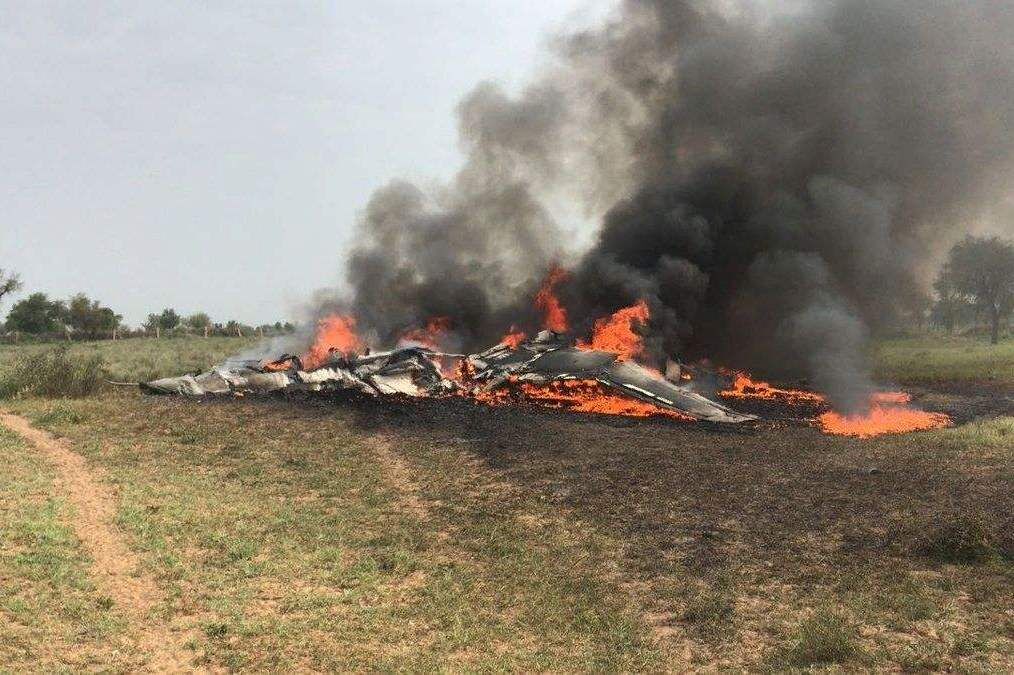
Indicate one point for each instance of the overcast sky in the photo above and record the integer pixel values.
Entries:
(174, 154)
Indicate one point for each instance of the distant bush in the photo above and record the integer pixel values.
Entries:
(963, 538)
(53, 373)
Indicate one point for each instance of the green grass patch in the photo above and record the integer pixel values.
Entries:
(970, 645)
(906, 602)
(59, 414)
(933, 358)
(141, 359)
(824, 638)
(922, 657)
(52, 373)
(985, 434)
(710, 609)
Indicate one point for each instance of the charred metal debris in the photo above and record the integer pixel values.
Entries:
(420, 372)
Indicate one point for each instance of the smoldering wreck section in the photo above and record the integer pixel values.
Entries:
(548, 371)
(597, 381)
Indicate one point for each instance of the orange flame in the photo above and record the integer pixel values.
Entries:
(334, 333)
(889, 413)
(616, 334)
(513, 338)
(554, 316)
(431, 336)
(587, 396)
(746, 388)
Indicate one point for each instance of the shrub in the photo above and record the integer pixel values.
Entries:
(52, 373)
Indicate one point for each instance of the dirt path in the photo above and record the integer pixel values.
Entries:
(115, 568)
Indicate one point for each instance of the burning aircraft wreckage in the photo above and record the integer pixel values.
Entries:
(546, 369)
(549, 370)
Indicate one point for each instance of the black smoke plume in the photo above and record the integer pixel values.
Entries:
(774, 186)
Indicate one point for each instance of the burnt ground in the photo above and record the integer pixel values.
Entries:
(733, 533)
(703, 498)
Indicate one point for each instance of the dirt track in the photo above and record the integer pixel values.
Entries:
(115, 568)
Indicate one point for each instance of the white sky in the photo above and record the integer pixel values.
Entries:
(213, 156)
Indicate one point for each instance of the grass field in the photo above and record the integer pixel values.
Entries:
(928, 358)
(317, 549)
(940, 358)
(144, 359)
(285, 536)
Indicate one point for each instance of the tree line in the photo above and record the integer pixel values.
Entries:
(81, 317)
(974, 287)
(168, 321)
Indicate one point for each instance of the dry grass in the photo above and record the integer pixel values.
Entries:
(284, 541)
(825, 637)
(341, 538)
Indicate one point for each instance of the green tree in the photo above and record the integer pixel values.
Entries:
(198, 321)
(37, 314)
(951, 307)
(88, 317)
(9, 283)
(982, 270)
(168, 319)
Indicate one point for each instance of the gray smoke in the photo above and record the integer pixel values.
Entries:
(774, 186)
(467, 251)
